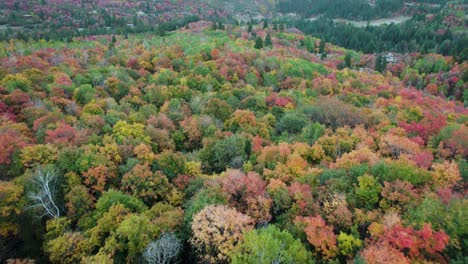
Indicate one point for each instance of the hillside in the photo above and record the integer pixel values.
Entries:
(229, 146)
(441, 30)
(367, 26)
(63, 19)
(362, 10)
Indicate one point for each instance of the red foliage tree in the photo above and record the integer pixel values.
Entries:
(319, 235)
(64, 133)
(98, 177)
(247, 193)
(430, 125)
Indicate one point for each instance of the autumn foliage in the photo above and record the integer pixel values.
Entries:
(242, 155)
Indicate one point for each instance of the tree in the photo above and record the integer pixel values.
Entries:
(98, 178)
(378, 254)
(79, 202)
(124, 131)
(142, 183)
(268, 42)
(171, 163)
(380, 63)
(445, 174)
(368, 190)
(443, 214)
(397, 195)
(333, 113)
(217, 230)
(11, 142)
(84, 94)
(63, 134)
(163, 250)
(113, 197)
(348, 60)
(270, 245)
(43, 197)
(416, 244)
(62, 245)
(202, 199)
(218, 108)
(134, 233)
(265, 23)
(247, 194)
(319, 235)
(10, 208)
(38, 155)
(66, 248)
(282, 26)
(322, 47)
(258, 43)
(231, 152)
(292, 122)
(348, 244)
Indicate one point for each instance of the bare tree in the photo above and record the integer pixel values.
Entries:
(163, 250)
(45, 182)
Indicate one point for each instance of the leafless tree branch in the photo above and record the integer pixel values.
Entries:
(163, 250)
(43, 197)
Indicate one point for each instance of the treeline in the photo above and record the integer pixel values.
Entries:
(411, 36)
(354, 9)
(113, 26)
(350, 9)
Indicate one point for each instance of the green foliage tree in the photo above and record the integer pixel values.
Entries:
(113, 197)
(230, 152)
(322, 47)
(368, 191)
(258, 43)
(348, 245)
(348, 60)
(268, 42)
(270, 245)
(312, 132)
(292, 122)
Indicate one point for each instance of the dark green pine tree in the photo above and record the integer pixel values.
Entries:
(258, 43)
(275, 26)
(380, 63)
(322, 46)
(250, 27)
(112, 43)
(348, 60)
(265, 24)
(323, 56)
(160, 31)
(268, 42)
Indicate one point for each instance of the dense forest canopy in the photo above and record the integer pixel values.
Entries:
(355, 9)
(190, 134)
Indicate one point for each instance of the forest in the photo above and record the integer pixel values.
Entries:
(160, 132)
(213, 144)
(443, 32)
(357, 9)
